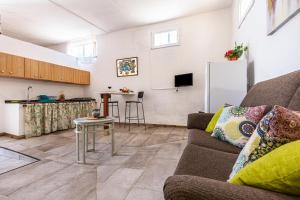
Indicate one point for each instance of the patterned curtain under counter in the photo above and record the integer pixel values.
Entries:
(45, 118)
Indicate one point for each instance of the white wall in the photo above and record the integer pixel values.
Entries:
(11, 88)
(204, 37)
(63, 47)
(270, 56)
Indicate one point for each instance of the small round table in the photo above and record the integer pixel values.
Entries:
(85, 126)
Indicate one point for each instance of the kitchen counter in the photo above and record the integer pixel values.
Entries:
(23, 119)
(56, 101)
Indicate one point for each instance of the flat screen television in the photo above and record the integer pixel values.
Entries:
(184, 80)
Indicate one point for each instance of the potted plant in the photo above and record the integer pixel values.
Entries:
(236, 53)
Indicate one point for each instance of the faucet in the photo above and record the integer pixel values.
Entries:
(28, 90)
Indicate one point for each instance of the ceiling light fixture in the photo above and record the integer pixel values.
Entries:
(75, 14)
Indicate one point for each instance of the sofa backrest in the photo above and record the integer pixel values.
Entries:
(283, 91)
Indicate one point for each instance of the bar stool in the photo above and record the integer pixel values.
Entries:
(137, 117)
(112, 104)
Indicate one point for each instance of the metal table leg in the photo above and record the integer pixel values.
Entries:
(94, 138)
(77, 142)
(84, 139)
(111, 131)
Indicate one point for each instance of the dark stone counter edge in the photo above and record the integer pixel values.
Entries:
(37, 101)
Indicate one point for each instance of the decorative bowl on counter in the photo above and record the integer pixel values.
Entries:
(125, 90)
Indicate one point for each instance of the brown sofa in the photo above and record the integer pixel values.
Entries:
(206, 162)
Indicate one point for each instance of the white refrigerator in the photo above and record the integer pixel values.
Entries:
(225, 83)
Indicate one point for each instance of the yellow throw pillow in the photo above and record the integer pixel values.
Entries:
(211, 126)
(278, 170)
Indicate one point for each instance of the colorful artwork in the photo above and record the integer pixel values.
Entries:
(127, 67)
(280, 12)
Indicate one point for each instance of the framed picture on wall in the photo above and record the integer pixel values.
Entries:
(280, 12)
(244, 7)
(127, 67)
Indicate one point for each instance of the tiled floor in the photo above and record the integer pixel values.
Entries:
(10, 160)
(144, 160)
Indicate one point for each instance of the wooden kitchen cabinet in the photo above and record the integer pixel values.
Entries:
(3, 71)
(81, 77)
(85, 77)
(68, 75)
(45, 71)
(77, 76)
(31, 69)
(57, 73)
(15, 66)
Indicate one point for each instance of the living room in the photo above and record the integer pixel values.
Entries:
(147, 99)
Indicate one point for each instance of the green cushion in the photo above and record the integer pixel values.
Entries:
(278, 127)
(278, 170)
(211, 126)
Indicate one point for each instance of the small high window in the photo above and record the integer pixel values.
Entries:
(85, 51)
(165, 39)
(244, 8)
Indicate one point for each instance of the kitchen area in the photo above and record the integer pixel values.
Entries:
(41, 91)
(32, 118)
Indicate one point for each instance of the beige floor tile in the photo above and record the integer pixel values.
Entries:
(156, 138)
(119, 184)
(41, 188)
(156, 173)
(138, 140)
(2, 197)
(140, 159)
(77, 189)
(144, 194)
(10, 182)
(171, 150)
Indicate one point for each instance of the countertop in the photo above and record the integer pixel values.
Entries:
(56, 101)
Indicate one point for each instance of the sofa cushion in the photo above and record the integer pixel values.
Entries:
(278, 127)
(295, 101)
(236, 124)
(211, 125)
(185, 187)
(278, 171)
(202, 138)
(276, 91)
(204, 162)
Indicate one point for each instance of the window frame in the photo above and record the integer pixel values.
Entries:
(83, 45)
(153, 47)
(241, 18)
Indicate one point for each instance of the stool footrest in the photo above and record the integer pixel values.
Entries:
(134, 118)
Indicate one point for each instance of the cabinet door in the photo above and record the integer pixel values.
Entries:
(31, 69)
(85, 78)
(68, 75)
(57, 73)
(77, 76)
(15, 66)
(3, 71)
(45, 71)
(81, 77)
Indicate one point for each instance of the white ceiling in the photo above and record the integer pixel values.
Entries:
(47, 22)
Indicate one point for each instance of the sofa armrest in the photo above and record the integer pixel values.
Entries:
(184, 187)
(199, 120)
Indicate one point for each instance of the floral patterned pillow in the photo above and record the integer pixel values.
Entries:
(236, 124)
(278, 127)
